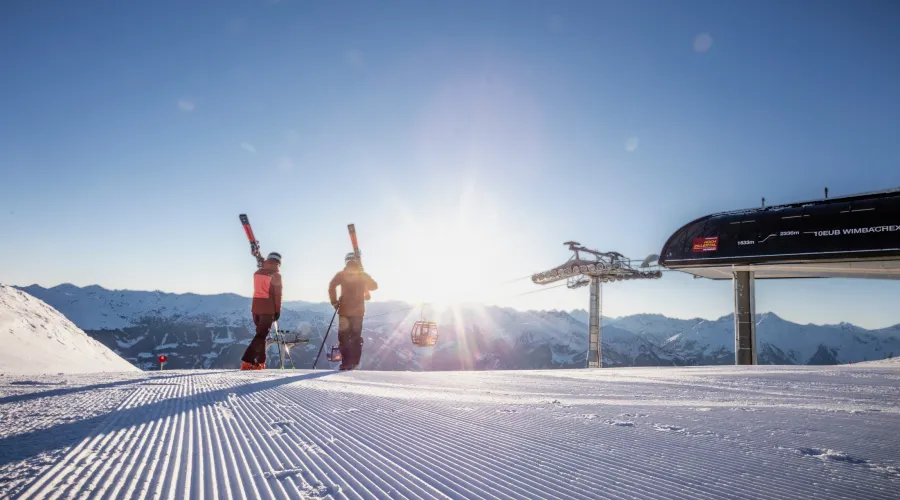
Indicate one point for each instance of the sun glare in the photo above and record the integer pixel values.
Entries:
(451, 256)
(452, 266)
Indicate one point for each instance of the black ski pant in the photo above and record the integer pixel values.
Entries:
(350, 340)
(256, 351)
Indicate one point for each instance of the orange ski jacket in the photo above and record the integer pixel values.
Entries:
(267, 290)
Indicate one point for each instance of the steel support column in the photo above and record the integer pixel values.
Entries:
(744, 318)
(594, 358)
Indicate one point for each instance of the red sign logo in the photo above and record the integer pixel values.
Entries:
(162, 358)
(708, 244)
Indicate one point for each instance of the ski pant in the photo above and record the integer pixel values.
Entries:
(350, 340)
(256, 351)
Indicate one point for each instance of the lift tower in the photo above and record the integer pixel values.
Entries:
(594, 269)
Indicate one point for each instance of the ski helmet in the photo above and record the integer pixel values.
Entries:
(351, 257)
(275, 256)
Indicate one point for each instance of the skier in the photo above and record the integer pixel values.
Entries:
(355, 285)
(266, 309)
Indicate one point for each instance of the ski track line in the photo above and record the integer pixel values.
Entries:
(168, 476)
(475, 457)
(275, 458)
(717, 493)
(496, 482)
(98, 444)
(275, 487)
(474, 443)
(763, 453)
(685, 456)
(130, 440)
(167, 393)
(362, 457)
(161, 473)
(279, 457)
(150, 445)
(397, 462)
(71, 480)
(208, 456)
(133, 447)
(569, 429)
(195, 480)
(644, 469)
(477, 451)
(120, 440)
(49, 479)
(221, 435)
(261, 461)
(278, 413)
(362, 481)
(323, 467)
(244, 483)
(217, 464)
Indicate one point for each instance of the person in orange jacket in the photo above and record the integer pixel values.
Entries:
(266, 309)
(355, 285)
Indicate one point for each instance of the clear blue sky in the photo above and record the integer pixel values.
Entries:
(466, 140)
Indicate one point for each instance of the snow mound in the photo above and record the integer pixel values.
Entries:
(38, 339)
(895, 361)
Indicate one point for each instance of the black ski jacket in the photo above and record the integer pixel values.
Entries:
(354, 283)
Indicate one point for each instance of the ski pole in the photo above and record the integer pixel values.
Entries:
(326, 336)
(290, 358)
(278, 345)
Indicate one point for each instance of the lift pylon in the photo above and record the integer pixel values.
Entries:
(594, 269)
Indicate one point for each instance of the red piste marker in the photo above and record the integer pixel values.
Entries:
(162, 360)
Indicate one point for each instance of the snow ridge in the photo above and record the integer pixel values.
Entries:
(38, 339)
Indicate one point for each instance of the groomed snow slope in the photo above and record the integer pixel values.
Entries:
(35, 338)
(688, 433)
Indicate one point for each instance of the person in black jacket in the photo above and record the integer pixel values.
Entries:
(355, 285)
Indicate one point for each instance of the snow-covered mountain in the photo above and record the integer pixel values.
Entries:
(38, 339)
(699, 341)
(211, 331)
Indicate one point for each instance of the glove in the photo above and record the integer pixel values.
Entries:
(277, 315)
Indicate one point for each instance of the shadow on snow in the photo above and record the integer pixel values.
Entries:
(29, 444)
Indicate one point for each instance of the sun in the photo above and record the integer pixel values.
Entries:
(449, 255)
(452, 266)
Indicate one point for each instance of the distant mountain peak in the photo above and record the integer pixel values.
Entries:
(768, 316)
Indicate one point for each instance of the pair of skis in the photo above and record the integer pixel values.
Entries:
(254, 244)
(351, 228)
(254, 250)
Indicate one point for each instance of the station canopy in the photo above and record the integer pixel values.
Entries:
(854, 236)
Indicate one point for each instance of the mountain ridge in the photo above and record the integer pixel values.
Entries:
(211, 331)
(295, 304)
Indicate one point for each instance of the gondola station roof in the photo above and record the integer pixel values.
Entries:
(854, 236)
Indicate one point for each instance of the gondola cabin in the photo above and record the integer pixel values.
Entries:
(334, 354)
(424, 334)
